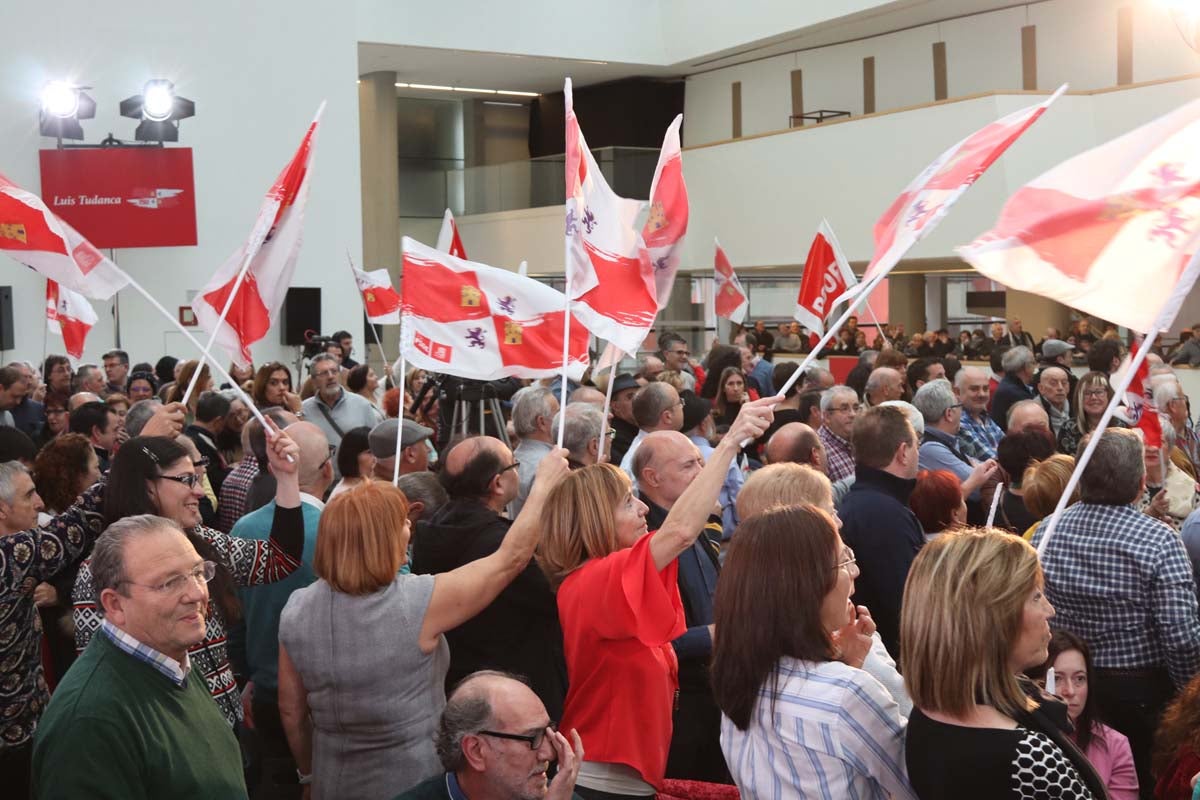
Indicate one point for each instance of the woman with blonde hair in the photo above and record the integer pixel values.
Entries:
(786, 484)
(360, 715)
(1043, 484)
(204, 384)
(620, 609)
(974, 617)
(1092, 395)
(787, 668)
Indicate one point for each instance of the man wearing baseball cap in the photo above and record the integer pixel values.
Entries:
(414, 457)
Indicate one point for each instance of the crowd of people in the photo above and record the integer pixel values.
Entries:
(715, 590)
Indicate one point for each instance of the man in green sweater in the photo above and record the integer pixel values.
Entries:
(129, 721)
(496, 741)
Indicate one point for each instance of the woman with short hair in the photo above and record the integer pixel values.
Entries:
(355, 461)
(974, 617)
(938, 502)
(362, 652)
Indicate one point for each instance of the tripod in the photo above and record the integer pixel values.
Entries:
(466, 404)
(485, 404)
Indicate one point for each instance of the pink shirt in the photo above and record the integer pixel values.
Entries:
(1110, 754)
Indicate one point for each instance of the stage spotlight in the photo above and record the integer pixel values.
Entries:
(159, 109)
(63, 105)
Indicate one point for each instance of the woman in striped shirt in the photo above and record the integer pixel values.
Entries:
(800, 718)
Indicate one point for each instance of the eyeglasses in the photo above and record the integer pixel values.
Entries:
(848, 558)
(332, 453)
(200, 464)
(202, 574)
(1097, 392)
(326, 373)
(514, 465)
(534, 740)
(189, 480)
(852, 409)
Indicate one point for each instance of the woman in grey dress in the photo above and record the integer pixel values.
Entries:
(362, 658)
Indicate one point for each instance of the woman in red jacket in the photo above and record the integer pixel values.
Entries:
(619, 606)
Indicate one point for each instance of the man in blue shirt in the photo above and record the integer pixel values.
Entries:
(939, 449)
(262, 605)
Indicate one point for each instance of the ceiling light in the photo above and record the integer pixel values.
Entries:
(431, 87)
(517, 94)
(476, 91)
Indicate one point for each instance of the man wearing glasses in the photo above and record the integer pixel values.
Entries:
(839, 409)
(496, 741)
(332, 408)
(943, 413)
(132, 720)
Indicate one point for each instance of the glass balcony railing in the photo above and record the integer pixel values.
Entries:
(540, 181)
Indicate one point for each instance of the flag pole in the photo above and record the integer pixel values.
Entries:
(188, 335)
(995, 502)
(45, 334)
(1101, 425)
(370, 324)
(400, 417)
(204, 353)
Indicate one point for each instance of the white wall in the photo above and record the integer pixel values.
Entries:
(257, 72)
(1076, 44)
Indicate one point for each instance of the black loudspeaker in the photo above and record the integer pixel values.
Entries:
(301, 312)
(6, 319)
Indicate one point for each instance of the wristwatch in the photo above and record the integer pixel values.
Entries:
(302, 779)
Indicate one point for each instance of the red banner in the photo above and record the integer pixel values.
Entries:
(123, 196)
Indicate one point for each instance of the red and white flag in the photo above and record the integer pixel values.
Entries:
(730, 300)
(667, 222)
(612, 286)
(272, 248)
(1110, 231)
(480, 322)
(1139, 409)
(827, 276)
(381, 301)
(448, 239)
(35, 236)
(70, 315)
(924, 202)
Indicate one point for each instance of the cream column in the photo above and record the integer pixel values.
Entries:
(379, 150)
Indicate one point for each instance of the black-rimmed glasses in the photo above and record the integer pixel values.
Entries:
(534, 740)
(189, 480)
(514, 465)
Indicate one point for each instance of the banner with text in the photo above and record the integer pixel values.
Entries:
(123, 196)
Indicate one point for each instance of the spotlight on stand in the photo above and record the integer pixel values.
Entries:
(63, 105)
(159, 109)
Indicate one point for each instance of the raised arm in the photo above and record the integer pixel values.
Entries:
(462, 593)
(687, 517)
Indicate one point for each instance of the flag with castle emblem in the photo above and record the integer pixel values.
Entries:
(611, 280)
(731, 301)
(271, 252)
(480, 322)
(38, 238)
(70, 315)
(667, 221)
(448, 239)
(1110, 231)
(924, 203)
(381, 301)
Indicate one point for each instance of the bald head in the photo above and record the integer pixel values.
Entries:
(587, 394)
(316, 468)
(797, 443)
(884, 384)
(494, 701)
(79, 398)
(665, 464)
(477, 469)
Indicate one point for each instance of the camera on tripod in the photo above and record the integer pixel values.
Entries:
(315, 343)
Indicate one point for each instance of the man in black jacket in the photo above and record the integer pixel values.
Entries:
(623, 424)
(876, 521)
(519, 631)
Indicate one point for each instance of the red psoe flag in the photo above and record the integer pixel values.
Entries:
(448, 238)
(479, 322)
(36, 237)
(667, 221)
(924, 202)
(1109, 231)
(613, 289)
(70, 315)
(730, 300)
(827, 276)
(272, 248)
(381, 301)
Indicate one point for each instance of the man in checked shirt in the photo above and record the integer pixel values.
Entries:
(1122, 581)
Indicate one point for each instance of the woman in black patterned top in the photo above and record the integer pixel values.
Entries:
(974, 617)
(155, 475)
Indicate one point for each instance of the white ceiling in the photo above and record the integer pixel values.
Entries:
(489, 70)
